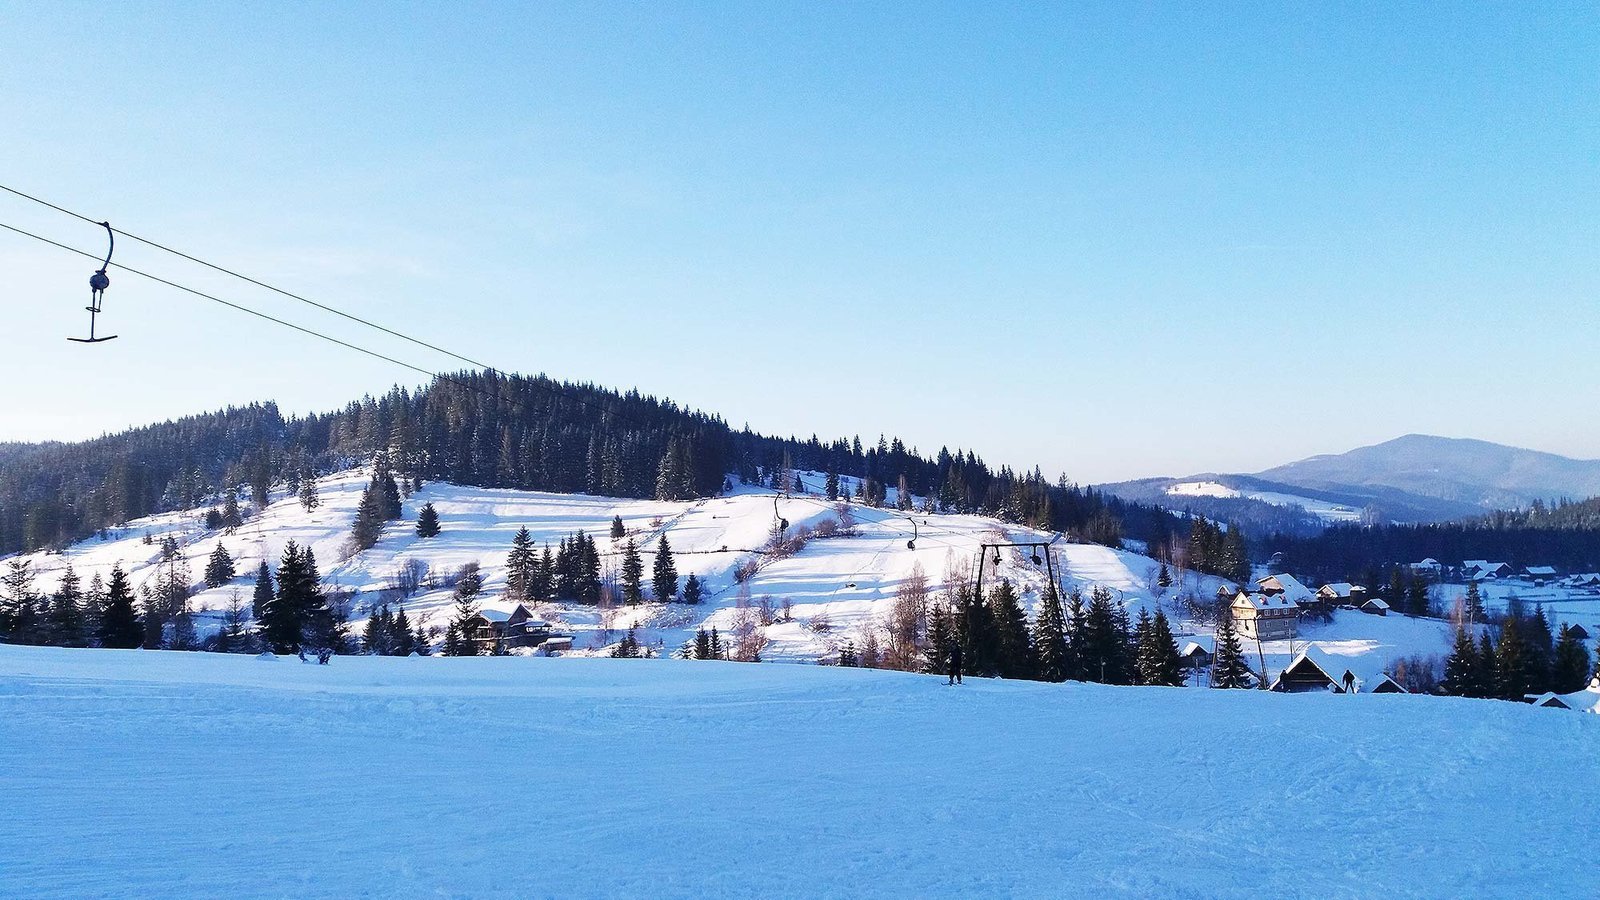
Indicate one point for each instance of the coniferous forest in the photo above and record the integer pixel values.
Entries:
(494, 430)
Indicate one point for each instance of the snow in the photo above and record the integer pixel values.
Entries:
(1322, 509)
(132, 773)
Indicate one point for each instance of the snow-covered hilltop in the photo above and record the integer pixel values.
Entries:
(833, 591)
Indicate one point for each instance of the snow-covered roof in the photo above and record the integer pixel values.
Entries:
(1540, 570)
(494, 615)
(1197, 645)
(1289, 585)
(1483, 565)
(1339, 589)
(1265, 601)
(1368, 674)
(1376, 603)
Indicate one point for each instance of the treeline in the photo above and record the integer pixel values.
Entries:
(492, 430)
(1566, 536)
(1527, 659)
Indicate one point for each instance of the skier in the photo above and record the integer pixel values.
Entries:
(1349, 682)
(954, 655)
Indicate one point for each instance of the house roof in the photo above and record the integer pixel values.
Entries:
(1265, 601)
(1339, 589)
(1198, 645)
(494, 615)
(1375, 603)
(1540, 570)
(1484, 565)
(1289, 585)
(1368, 674)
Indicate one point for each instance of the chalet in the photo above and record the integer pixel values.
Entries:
(1287, 586)
(1578, 632)
(1341, 593)
(1428, 568)
(1317, 670)
(1548, 699)
(1196, 652)
(494, 629)
(1583, 580)
(1484, 570)
(1265, 617)
(1375, 607)
(1539, 574)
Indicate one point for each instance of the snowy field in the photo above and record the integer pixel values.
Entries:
(134, 773)
(848, 581)
(1322, 509)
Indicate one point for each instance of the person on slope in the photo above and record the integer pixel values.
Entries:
(953, 654)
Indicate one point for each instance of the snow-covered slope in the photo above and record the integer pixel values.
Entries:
(129, 773)
(847, 581)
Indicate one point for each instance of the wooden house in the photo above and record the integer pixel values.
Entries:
(1341, 593)
(1265, 617)
(1375, 607)
(1316, 670)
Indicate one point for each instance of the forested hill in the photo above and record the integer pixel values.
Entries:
(494, 430)
(1565, 535)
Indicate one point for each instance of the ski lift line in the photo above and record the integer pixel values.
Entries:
(290, 294)
(624, 436)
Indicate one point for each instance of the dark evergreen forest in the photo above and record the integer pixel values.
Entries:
(494, 430)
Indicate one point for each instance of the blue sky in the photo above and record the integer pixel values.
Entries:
(1116, 240)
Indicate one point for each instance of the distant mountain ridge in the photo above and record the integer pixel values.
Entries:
(1414, 478)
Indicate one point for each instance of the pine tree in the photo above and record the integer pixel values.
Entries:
(120, 628)
(664, 574)
(521, 563)
(261, 599)
(1145, 662)
(377, 638)
(219, 568)
(309, 500)
(692, 590)
(1102, 646)
(1168, 668)
(1486, 685)
(1569, 669)
(618, 530)
(717, 650)
(1077, 629)
(1164, 577)
(1015, 656)
(628, 647)
(1417, 597)
(831, 486)
(632, 574)
(401, 639)
(368, 526)
(231, 517)
(1461, 667)
(1474, 603)
(1049, 638)
(980, 640)
(1228, 669)
(940, 636)
(428, 522)
(65, 626)
(459, 635)
(1511, 663)
(702, 644)
(1540, 646)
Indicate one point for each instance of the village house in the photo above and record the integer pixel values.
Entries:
(1375, 607)
(1484, 570)
(1196, 653)
(493, 629)
(1284, 585)
(1265, 617)
(1539, 575)
(1341, 593)
(1317, 670)
(1428, 568)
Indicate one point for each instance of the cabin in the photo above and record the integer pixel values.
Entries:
(1375, 607)
(1428, 568)
(1265, 617)
(1578, 632)
(493, 629)
(1548, 699)
(1197, 652)
(1539, 575)
(1317, 670)
(1341, 593)
(1484, 570)
(1583, 580)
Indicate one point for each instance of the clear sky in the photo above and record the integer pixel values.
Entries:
(1116, 240)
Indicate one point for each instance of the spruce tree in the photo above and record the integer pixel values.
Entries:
(1569, 669)
(702, 644)
(1164, 577)
(1540, 646)
(1228, 669)
(368, 526)
(1511, 663)
(632, 574)
(618, 530)
(1461, 667)
(119, 627)
(664, 574)
(831, 485)
(219, 568)
(261, 599)
(976, 629)
(1474, 603)
(1049, 638)
(1168, 669)
(1487, 677)
(521, 563)
(65, 625)
(401, 639)
(1077, 630)
(428, 522)
(309, 500)
(1015, 656)
(692, 590)
(1145, 661)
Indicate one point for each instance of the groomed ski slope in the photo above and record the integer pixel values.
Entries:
(136, 773)
(849, 581)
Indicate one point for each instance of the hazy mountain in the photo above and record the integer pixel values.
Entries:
(1416, 478)
(1478, 473)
